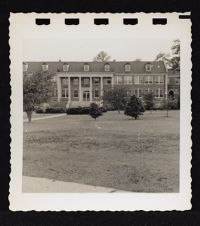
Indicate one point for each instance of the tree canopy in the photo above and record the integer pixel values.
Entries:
(37, 89)
(172, 60)
(102, 57)
(116, 97)
(134, 108)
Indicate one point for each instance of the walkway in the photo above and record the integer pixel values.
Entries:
(43, 185)
(45, 117)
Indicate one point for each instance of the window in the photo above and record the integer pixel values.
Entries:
(139, 92)
(159, 93)
(25, 66)
(127, 67)
(177, 81)
(96, 91)
(64, 92)
(86, 67)
(148, 79)
(127, 80)
(107, 67)
(75, 93)
(148, 67)
(136, 79)
(118, 80)
(75, 81)
(45, 67)
(161, 79)
(65, 67)
(107, 81)
(96, 80)
(141, 79)
(64, 81)
(157, 79)
(86, 81)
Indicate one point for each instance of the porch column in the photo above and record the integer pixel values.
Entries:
(59, 88)
(69, 90)
(80, 93)
(101, 87)
(90, 89)
(112, 81)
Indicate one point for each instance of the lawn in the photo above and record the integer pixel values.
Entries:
(113, 151)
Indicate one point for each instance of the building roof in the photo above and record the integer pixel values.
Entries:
(115, 66)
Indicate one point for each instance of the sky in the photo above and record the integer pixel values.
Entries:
(82, 49)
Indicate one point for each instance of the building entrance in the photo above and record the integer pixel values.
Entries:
(86, 95)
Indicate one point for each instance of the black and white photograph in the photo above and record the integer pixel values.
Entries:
(102, 112)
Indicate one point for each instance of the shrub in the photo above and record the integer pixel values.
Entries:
(95, 111)
(78, 111)
(134, 107)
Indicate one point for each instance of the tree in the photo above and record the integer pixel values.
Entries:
(134, 107)
(172, 60)
(37, 89)
(95, 111)
(149, 100)
(102, 57)
(115, 97)
(169, 104)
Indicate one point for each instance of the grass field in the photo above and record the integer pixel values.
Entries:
(114, 151)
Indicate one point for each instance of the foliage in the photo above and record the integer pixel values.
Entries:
(134, 107)
(102, 57)
(37, 88)
(116, 97)
(171, 60)
(149, 101)
(78, 111)
(95, 111)
(170, 103)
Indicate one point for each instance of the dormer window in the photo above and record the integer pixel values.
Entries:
(127, 68)
(148, 67)
(107, 67)
(45, 67)
(25, 66)
(86, 67)
(65, 67)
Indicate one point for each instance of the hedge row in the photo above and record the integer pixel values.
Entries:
(81, 110)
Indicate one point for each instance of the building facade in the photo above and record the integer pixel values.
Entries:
(81, 83)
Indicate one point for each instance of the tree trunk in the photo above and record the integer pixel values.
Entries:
(118, 110)
(29, 114)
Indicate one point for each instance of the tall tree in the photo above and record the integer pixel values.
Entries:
(149, 100)
(134, 107)
(37, 89)
(115, 97)
(102, 57)
(172, 60)
(95, 111)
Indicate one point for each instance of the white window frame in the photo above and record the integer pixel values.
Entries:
(127, 67)
(86, 67)
(159, 79)
(136, 79)
(128, 80)
(96, 88)
(45, 67)
(116, 80)
(107, 67)
(74, 83)
(148, 67)
(65, 67)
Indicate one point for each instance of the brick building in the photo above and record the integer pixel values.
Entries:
(80, 83)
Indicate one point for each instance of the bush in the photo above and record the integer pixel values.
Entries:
(95, 111)
(78, 111)
(134, 107)
(50, 110)
(55, 110)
